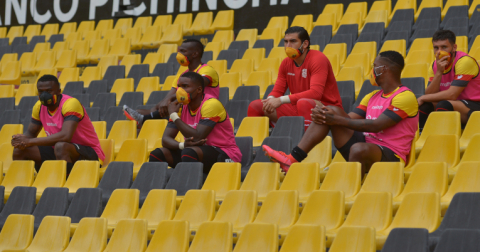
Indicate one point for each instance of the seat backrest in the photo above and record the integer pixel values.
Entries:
(240, 46)
(279, 143)
(112, 74)
(17, 232)
(52, 173)
(123, 204)
(52, 235)
(384, 177)
(21, 201)
(159, 205)
(372, 209)
(137, 72)
(446, 149)
(239, 208)
(344, 177)
(262, 178)
(90, 235)
(118, 175)
(415, 239)
(170, 236)
(96, 87)
(290, 126)
(354, 239)
(458, 240)
(20, 173)
(73, 87)
(302, 177)
(245, 144)
(94, 114)
(129, 235)
(280, 208)
(222, 178)
(462, 212)
(151, 176)
(237, 109)
(325, 208)
(213, 236)
(258, 236)
(131, 99)
(186, 176)
(305, 238)
(197, 207)
(87, 202)
(104, 101)
(427, 177)
(54, 201)
(156, 97)
(84, 174)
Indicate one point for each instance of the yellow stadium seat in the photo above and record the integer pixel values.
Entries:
(272, 33)
(134, 35)
(271, 65)
(351, 18)
(446, 150)
(147, 85)
(104, 25)
(260, 78)
(86, 26)
(201, 24)
(470, 131)
(68, 74)
(239, 208)
(6, 152)
(120, 86)
(160, 205)
(51, 174)
(84, 174)
(53, 234)
(7, 58)
(90, 74)
(321, 154)
(169, 82)
(305, 238)
(360, 7)
(420, 56)
(336, 9)
(25, 90)
(418, 210)
(343, 177)
(112, 36)
(32, 30)
(416, 70)
(122, 131)
(129, 236)
(68, 59)
(462, 43)
(59, 47)
(255, 127)
(472, 7)
(47, 60)
(151, 38)
(258, 237)
(465, 180)
(451, 3)
(11, 74)
(450, 122)
(132, 150)
(280, 208)
(366, 47)
(213, 236)
(395, 45)
(305, 21)
(101, 129)
(475, 52)
(106, 61)
(225, 36)
(72, 38)
(108, 147)
(185, 21)
(244, 67)
(3, 32)
(428, 4)
(280, 22)
(123, 24)
(470, 153)
(359, 60)
(256, 54)
(152, 59)
(352, 73)
(142, 23)
(382, 5)
(14, 31)
(20, 173)
(304, 178)
(152, 130)
(8, 130)
(197, 207)
(333, 58)
(173, 35)
(170, 236)
(83, 49)
(27, 62)
(354, 239)
(17, 232)
(377, 16)
(100, 48)
(223, 21)
(92, 36)
(215, 48)
(222, 178)
(90, 236)
(249, 35)
(68, 28)
(262, 178)
(7, 91)
(124, 199)
(327, 19)
(337, 49)
(120, 48)
(163, 21)
(220, 67)
(404, 4)
(277, 53)
(129, 60)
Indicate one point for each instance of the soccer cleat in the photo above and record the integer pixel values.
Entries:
(133, 115)
(278, 156)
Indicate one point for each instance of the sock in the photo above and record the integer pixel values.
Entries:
(444, 106)
(298, 154)
(304, 108)
(424, 111)
(152, 115)
(255, 108)
(189, 155)
(69, 168)
(157, 156)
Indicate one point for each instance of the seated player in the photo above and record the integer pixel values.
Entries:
(204, 123)
(70, 133)
(189, 55)
(381, 128)
(454, 84)
(307, 74)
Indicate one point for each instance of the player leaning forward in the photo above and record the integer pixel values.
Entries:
(381, 128)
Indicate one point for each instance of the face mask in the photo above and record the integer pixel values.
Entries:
(47, 99)
(182, 96)
(182, 59)
(443, 54)
(293, 53)
(373, 76)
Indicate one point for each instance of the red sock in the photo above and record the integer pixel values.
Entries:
(304, 107)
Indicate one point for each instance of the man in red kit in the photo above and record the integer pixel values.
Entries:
(309, 76)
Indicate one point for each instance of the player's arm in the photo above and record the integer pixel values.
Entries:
(65, 135)
(434, 81)
(280, 86)
(450, 94)
(33, 129)
(318, 80)
(168, 138)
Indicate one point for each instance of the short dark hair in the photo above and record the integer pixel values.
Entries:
(302, 33)
(443, 35)
(195, 77)
(394, 57)
(49, 77)
(198, 45)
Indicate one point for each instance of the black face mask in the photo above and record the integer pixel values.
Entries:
(47, 99)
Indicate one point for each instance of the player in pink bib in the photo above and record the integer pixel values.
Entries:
(454, 82)
(204, 123)
(70, 133)
(381, 128)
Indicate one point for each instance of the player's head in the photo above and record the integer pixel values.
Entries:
(296, 37)
(48, 90)
(387, 66)
(189, 50)
(190, 87)
(444, 40)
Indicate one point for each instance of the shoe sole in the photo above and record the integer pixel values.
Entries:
(128, 116)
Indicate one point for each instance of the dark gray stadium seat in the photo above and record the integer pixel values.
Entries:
(263, 43)
(400, 26)
(268, 91)
(420, 33)
(461, 214)
(223, 97)
(374, 28)
(20, 49)
(84, 99)
(21, 201)
(417, 85)
(349, 29)
(322, 30)
(54, 39)
(18, 41)
(26, 120)
(281, 43)
(2, 195)
(162, 70)
(207, 56)
(346, 88)
(459, 25)
(407, 240)
(4, 42)
(131, 99)
(35, 40)
(117, 176)
(156, 97)
(371, 36)
(474, 33)
(237, 110)
(347, 103)
(403, 15)
(7, 104)
(434, 13)
(366, 89)
(172, 61)
(281, 143)
(473, 22)
(54, 201)
(454, 12)
(319, 40)
(151, 176)
(229, 55)
(459, 240)
(112, 115)
(344, 38)
(112, 74)
(73, 87)
(249, 93)
(240, 46)
(290, 126)
(427, 24)
(397, 35)
(137, 72)
(10, 117)
(4, 50)
(96, 87)
(104, 101)
(245, 144)
(186, 176)
(26, 103)
(93, 113)
(86, 202)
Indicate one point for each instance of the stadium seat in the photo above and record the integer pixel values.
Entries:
(258, 135)
(412, 239)
(326, 20)
(262, 79)
(215, 48)
(271, 65)
(59, 47)
(305, 238)
(376, 16)
(67, 28)
(272, 33)
(86, 202)
(147, 85)
(170, 235)
(395, 45)
(159, 206)
(304, 178)
(461, 240)
(366, 47)
(280, 22)
(8, 130)
(197, 207)
(242, 47)
(31, 31)
(11, 74)
(305, 21)
(27, 91)
(20, 173)
(142, 23)
(122, 131)
(122, 86)
(151, 131)
(123, 24)
(202, 23)
(213, 236)
(6, 152)
(404, 4)
(359, 60)
(151, 38)
(72, 38)
(83, 49)
(7, 91)
(27, 62)
(466, 174)
(129, 235)
(163, 21)
(133, 150)
(262, 178)
(17, 232)
(419, 56)
(14, 31)
(21, 201)
(54, 202)
(222, 178)
(112, 36)
(244, 67)
(125, 199)
(90, 236)
(172, 35)
(84, 174)
(249, 35)
(453, 3)
(337, 49)
(230, 80)
(68, 59)
(416, 70)
(279, 208)
(344, 177)
(239, 208)
(350, 18)
(110, 69)
(258, 236)
(352, 73)
(223, 21)
(150, 176)
(100, 48)
(167, 50)
(103, 26)
(185, 177)
(134, 35)
(92, 36)
(7, 59)
(256, 54)
(450, 122)
(277, 53)
(84, 27)
(101, 129)
(51, 174)
(47, 60)
(354, 239)
(185, 21)
(71, 74)
(128, 61)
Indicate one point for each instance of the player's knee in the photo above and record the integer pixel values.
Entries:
(426, 107)
(305, 106)
(357, 151)
(18, 154)
(60, 149)
(189, 155)
(157, 155)
(444, 106)
(255, 108)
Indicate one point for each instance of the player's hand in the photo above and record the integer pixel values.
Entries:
(174, 107)
(20, 141)
(420, 101)
(317, 115)
(325, 115)
(270, 104)
(442, 63)
(162, 107)
(190, 142)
